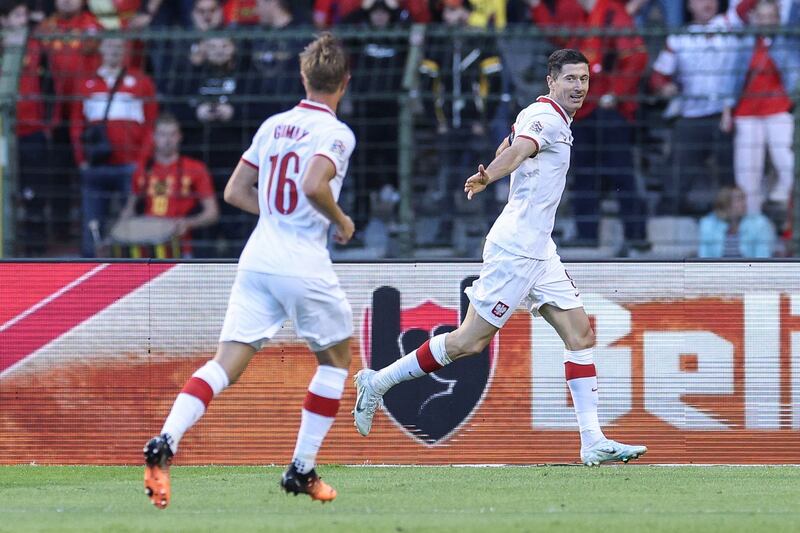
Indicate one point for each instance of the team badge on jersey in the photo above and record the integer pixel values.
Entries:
(499, 309)
(338, 148)
(536, 127)
(432, 408)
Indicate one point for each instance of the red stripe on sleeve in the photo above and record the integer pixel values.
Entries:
(425, 358)
(199, 389)
(575, 371)
(320, 405)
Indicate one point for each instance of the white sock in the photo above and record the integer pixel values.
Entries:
(429, 357)
(207, 382)
(582, 381)
(319, 412)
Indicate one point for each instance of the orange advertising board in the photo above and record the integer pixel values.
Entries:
(699, 361)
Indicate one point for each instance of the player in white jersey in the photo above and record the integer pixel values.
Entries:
(290, 177)
(520, 264)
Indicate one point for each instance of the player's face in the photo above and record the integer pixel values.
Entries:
(570, 86)
(167, 138)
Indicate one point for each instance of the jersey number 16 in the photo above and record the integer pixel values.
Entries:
(285, 198)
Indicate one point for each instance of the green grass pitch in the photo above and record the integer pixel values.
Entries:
(503, 499)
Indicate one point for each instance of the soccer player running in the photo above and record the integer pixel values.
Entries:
(290, 176)
(520, 263)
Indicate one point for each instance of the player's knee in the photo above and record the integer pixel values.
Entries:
(462, 345)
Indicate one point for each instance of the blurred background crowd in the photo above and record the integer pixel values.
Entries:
(117, 109)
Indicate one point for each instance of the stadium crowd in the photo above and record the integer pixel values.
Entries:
(673, 129)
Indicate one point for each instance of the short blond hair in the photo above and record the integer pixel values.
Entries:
(324, 64)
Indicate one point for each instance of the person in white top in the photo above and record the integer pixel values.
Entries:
(695, 72)
(520, 264)
(290, 177)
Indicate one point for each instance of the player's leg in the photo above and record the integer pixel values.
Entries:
(319, 412)
(573, 326)
(190, 405)
(253, 316)
(470, 338)
(503, 281)
(323, 317)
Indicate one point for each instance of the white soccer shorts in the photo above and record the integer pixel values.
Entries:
(260, 303)
(506, 280)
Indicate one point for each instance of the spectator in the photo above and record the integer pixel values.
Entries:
(603, 128)
(274, 73)
(729, 231)
(463, 73)
(377, 74)
(32, 143)
(212, 111)
(168, 57)
(131, 111)
(69, 59)
(694, 71)
(768, 74)
(173, 185)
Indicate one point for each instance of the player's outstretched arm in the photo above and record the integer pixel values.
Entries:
(504, 164)
(317, 188)
(241, 190)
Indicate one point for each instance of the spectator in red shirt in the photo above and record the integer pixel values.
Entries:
(603, 129)
(32, 146)
(131, 113)
(173, 185)
(70, 60)
(762, 116)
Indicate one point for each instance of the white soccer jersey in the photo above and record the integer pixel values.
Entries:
(291, 235)
(526, 223)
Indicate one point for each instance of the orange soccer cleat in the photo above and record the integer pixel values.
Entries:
(293, 482)
(157, 456)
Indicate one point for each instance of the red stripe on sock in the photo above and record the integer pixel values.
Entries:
(321, 405)
(199, 389)
(575, 371)
(425, 358)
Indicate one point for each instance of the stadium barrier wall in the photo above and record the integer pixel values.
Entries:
(698, 360)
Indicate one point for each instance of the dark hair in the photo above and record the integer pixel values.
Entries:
(565, 56)
(324, 64)
(167, 118)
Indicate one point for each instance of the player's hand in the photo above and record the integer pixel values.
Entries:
(476, 183)
(344, 230)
